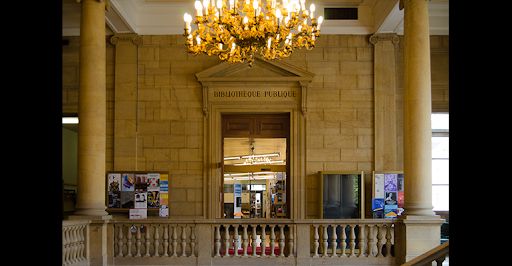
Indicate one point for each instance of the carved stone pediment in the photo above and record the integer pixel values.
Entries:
(262, 75)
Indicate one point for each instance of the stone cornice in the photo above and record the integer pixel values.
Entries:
(378, 37)
(133, 37)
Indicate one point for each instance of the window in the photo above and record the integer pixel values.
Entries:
(440, 161)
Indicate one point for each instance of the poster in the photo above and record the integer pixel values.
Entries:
(379, 186)
(141, 181)
(164, 198)
(390, 182)
(128, 182)
(141, 199)
(114, 182)
(237, 211)
(163, 211)
(153, 199)
(114, 199)
(377, 204)
(400, 182)
(391, 198)
(164, 183)
(138, 213)
(127, 199)
(153, 182)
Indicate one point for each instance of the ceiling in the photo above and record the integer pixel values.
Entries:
(165, 17)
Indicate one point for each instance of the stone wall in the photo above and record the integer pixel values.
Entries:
(169, 119)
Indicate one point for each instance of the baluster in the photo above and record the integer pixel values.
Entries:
(334, 240)
(254, 237)
(343, 241)
(146, 237)
(352, 242)
(67, 249)
(379, 240)
(226, 239)
(245, 242)
(192, 240)
(174, 240)
(315, 243)
(120, 240)
(82, 242)
(325, 237)
(388, 240)
(183, 240)
(157, 241)
(74, 240)
(129, 243)
(64, 245)
(263, 239)
(235, 240)
(137, 237)
(440, 260)
(217, 241)
(281, 240)
(362, 240)
(166, 240)
(370, 237)
(272, 240)
(290, 241)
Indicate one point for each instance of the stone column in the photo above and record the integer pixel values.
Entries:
(92, 110)
(125, 105)
(419, 228)
(386, 149)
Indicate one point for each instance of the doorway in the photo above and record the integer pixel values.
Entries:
(255, 169)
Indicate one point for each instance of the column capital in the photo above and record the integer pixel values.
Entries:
(133, 37)
(378, 37)
(107, 3)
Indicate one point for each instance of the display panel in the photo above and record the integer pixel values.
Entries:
(127, 190)
(342, 195)
(387, 194)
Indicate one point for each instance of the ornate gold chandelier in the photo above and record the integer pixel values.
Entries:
(236, 30)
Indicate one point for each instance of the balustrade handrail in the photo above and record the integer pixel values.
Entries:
(252, 221)
(66, 223)
(434, 254)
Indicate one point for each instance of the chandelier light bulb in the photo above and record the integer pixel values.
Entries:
(219, 4)
(312, 10)
(199, 8)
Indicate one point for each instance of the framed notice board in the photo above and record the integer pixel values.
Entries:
(387, 194)
(341, 195)
(127, 190)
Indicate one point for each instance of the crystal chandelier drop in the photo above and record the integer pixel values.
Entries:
(237, 30)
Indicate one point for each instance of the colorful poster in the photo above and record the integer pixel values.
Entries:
(164, 183)
(128, 182)
(127, 199)
(400, 182)
(390, 182)
(237, 210)
(114, 199)
(378, 214)
(153, 199)
(391, 198)
(164, 198)
(141, 181)
(114, 182)
(141, 199)
(400, 199)
(153, 182)
(377, 204)
(379, 186)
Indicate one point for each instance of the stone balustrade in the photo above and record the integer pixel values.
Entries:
(157, 241)
(74, 242)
